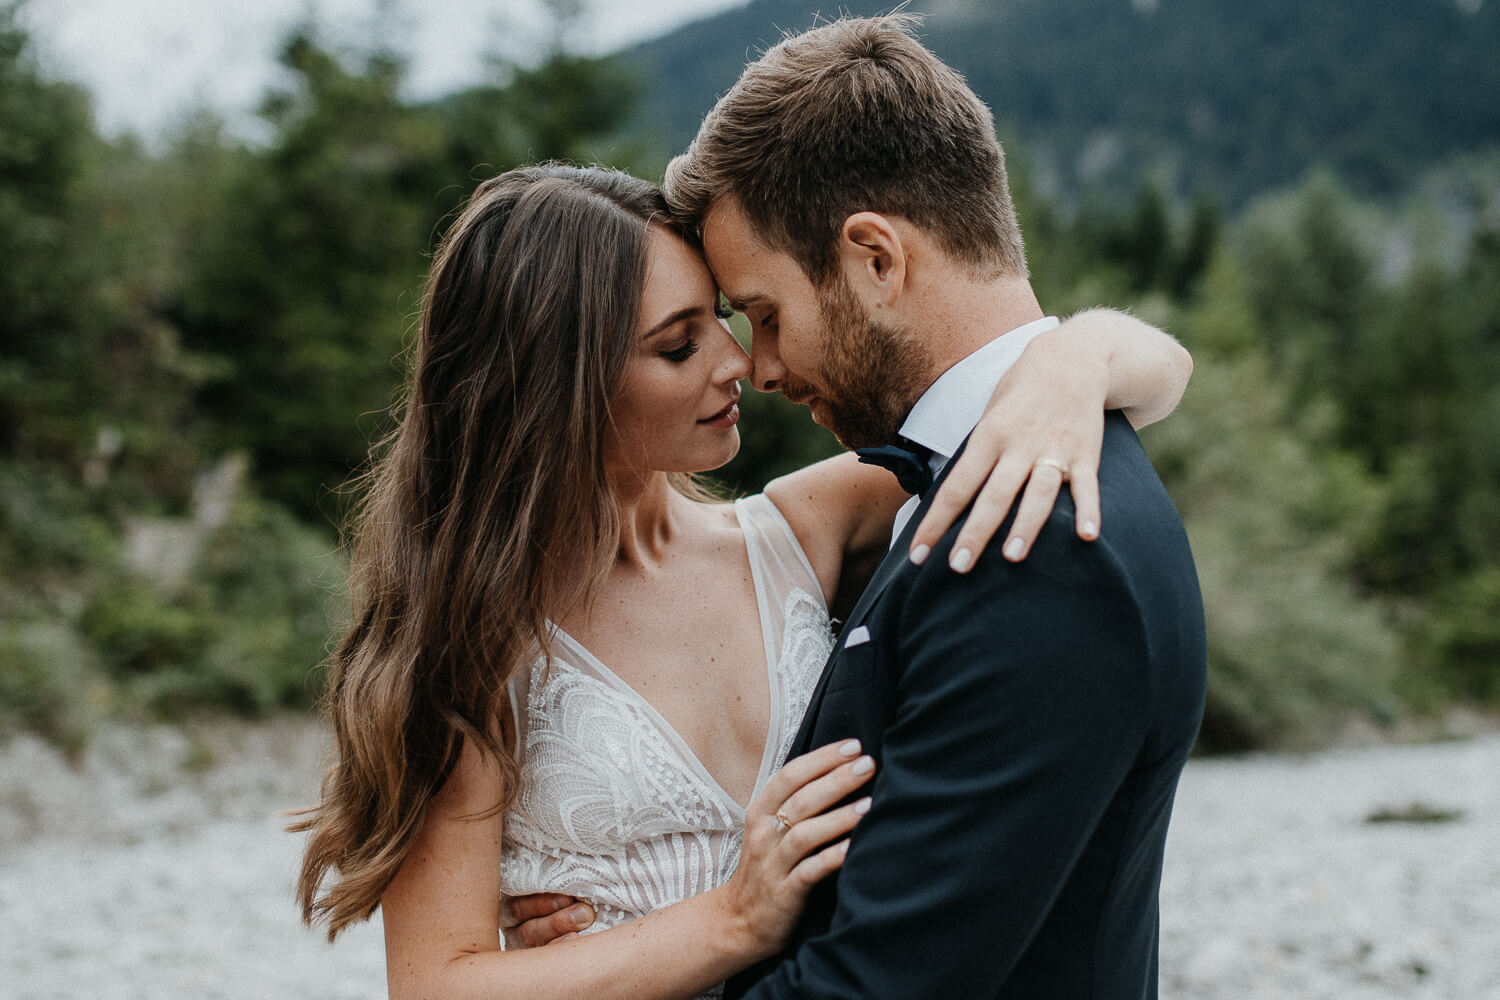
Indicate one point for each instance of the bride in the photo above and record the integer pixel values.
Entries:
(570, 669)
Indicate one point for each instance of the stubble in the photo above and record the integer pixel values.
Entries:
(874, 372)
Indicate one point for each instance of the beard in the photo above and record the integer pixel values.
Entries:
(872, 372)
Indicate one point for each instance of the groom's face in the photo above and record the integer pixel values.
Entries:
(816, 346)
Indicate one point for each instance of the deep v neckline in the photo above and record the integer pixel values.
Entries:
(685, 751)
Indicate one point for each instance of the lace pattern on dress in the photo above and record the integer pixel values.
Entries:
(608, 810)
(806, 641)
(614, 807)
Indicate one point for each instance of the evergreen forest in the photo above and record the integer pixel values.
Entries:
(202, 338)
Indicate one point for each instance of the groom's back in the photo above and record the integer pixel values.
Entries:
(1099, 937)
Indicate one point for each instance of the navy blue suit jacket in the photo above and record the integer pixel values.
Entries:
(1030, 722)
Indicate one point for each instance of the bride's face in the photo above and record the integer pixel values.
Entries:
(676, 409)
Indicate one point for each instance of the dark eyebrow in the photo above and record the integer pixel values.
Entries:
(676, 317)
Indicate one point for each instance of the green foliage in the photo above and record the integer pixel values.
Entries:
(98, 436)
(299, 288)
(1387, 387)
(1337, 458)
(1411, 368)
(140, 633)
(1104, 253)
(567, 103)
(1442, 427)
(1460, 643)
(305, 289)
(79, 290)
(47, 682)
(45, 136)
(275, 588)
(1313, 293)
(1273, 513)
(243, 629)
(164, 309)
(50, 532)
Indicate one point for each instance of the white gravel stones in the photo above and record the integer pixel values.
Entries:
(1278, 886)
(160, 870)
(157, 869)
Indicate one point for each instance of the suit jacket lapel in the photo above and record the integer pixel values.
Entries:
(893, 562)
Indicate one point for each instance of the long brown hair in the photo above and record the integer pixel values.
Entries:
(486, 512)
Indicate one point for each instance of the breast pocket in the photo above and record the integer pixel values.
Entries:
(854, 667)
(858, 700)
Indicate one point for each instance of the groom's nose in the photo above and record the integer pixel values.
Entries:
(767, 373)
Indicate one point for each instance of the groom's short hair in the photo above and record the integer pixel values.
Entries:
(853, 116)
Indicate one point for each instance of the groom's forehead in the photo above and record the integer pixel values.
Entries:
(746, 268)
(722, 220)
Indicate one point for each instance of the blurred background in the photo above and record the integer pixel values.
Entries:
(215, 218)
(214, 223)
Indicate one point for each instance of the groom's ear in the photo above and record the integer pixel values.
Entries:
(873, 258)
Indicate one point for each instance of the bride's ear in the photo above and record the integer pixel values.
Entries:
(872, 259)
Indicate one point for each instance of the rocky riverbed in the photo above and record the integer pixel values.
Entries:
(156, 868)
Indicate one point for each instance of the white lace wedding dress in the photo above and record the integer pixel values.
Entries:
(614, 807)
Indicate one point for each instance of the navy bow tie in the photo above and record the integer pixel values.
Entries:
(910, 464)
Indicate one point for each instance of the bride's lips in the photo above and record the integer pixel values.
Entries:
(727, 417)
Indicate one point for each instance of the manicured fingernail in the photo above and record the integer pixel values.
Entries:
(1090, 529)
(920, 553)
(961, 560)
(1015, 548)
(863, 766)
(582, 915)
(844, 847)
(849, 748)
(863, 805)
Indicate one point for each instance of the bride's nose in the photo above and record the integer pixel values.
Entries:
(734, 365)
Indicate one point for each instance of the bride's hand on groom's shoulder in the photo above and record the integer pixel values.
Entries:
(796, 835)
(1044, 426)
(541, 918)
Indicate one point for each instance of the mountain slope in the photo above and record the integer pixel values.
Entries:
(1226, 98)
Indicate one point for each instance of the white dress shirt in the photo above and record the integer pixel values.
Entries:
(952, 406)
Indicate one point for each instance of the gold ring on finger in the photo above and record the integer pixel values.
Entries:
(1061, 467)
(782, 823)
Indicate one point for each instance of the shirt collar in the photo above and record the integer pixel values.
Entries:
(952, 405)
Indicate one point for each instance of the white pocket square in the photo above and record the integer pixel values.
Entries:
(857, 636)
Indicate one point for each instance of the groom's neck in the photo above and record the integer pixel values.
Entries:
(958, 314)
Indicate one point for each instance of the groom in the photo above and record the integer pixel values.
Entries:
(1030, 720)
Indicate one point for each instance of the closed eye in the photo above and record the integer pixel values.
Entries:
(678, 355)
